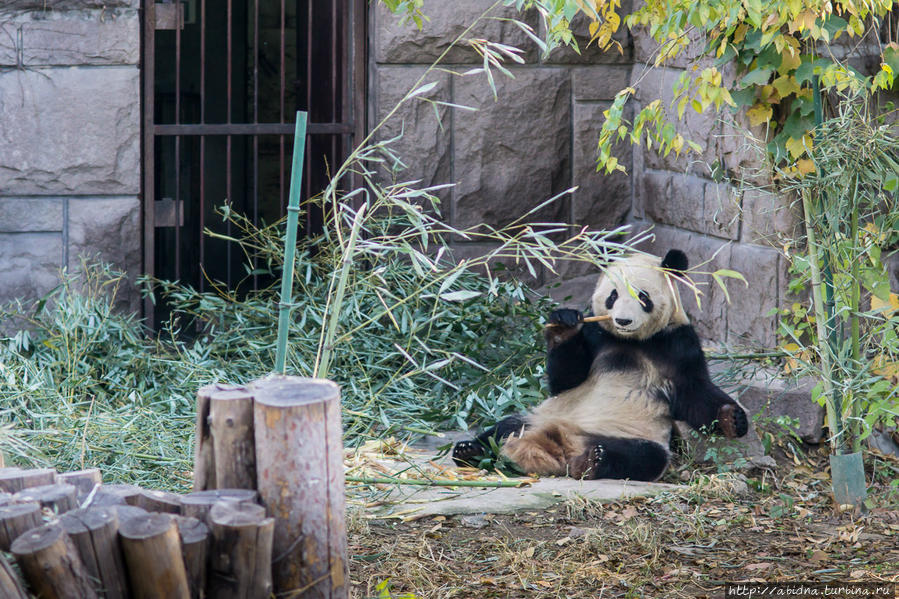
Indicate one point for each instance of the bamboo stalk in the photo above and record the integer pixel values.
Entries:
(290, 241)
(600, 318)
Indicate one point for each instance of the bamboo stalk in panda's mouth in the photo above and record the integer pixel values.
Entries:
(599, 318)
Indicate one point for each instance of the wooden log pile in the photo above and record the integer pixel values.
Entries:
(266, 515)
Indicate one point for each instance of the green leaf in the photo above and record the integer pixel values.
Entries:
(743, 97)
(756, 77)
(891, 183)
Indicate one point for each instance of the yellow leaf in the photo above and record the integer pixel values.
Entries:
(789, 62)
(785, 85)
(889, 308)
(797, 147)
(804, 166)
(760, 113)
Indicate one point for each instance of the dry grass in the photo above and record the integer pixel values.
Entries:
(716, 529)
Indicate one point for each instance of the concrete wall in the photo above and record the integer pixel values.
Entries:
(69, 140)
(539, 138)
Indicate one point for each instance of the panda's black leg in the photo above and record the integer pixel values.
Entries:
(472, 451)
(615, 457)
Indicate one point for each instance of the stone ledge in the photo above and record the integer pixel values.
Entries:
(92, 37)
(19, 215)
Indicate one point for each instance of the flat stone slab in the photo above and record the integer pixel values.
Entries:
(413, 502)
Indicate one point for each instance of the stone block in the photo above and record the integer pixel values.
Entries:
(504, 268)
(707, 304)
(647, 50)
(100, 37)
(403, 43)
(107, 229)
(599, 82)
(747, 320)
(48, 5)
(674, 199)
(70, 131)
(574, 293)
(721, 211)
(29, 265)
(591, 53)
(769, 218)
(513, 154)
(770, 394)
(30, 214)
(601, 201)
(425, 143)
(703, 129)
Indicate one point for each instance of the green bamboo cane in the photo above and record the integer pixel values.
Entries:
(290, 239)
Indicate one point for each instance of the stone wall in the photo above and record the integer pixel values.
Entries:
(539, 137)
(69, 140)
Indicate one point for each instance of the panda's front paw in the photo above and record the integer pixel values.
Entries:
(566, 317)
(732, 421)
(468, 453)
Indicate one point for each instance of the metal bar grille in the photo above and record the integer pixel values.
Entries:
(221, 88)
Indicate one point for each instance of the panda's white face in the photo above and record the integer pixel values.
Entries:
(641, 298)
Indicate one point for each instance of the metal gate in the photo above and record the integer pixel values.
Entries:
(222, 80)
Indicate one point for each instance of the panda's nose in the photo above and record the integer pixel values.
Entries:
(623, 321)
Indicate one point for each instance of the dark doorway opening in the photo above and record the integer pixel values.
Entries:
(223, 80)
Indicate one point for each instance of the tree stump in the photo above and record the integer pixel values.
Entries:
(159, 501)
(51, 564)
(13, 480)
(195, 551)
(241, 555)
(11, 586)
(83, 480)
(204, 452)
(59, 497)
(299, 462)
(231, 424)
(198, 504)
(16, 519)
(94, 533)
(126, 512)
(153, 556)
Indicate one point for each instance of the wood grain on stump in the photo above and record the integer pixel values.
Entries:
(11, 586)
(51, 564)
(231, 425)
(241, 554)
(94, 533)
(152, 551)
(195, 551)
(300, 479)
(13, 480)
(15, 519)
(58, 497)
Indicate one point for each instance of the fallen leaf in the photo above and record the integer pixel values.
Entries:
(759, 566)
(818, 556)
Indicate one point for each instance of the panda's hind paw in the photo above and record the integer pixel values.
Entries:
(467, 453)
(732, 421)
(591, 464)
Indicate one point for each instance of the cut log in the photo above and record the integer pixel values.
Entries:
(84, 480)
(198, 504)
(127, 512)
(59, 497)
(159, 501)
(231, 425)
(13, 480)
(94, 533)
(299, 460)
(16, 519)
(152, 551)
(5, 498)
(241, 555)
(11, 586)
(117, 494)
(195, 551)
(51, 564)
(204, 458)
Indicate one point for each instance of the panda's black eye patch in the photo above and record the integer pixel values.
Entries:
(645, 301)
(610, 301)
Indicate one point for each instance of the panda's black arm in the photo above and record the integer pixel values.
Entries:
(696, 399)
(571, 346)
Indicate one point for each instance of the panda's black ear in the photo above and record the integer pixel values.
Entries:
(675, 260)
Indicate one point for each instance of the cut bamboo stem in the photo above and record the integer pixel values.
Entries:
(51, 564)
(600, 318)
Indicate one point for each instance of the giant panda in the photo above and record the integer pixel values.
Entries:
(616, 385)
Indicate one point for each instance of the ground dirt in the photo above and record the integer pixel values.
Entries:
(767, 525)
